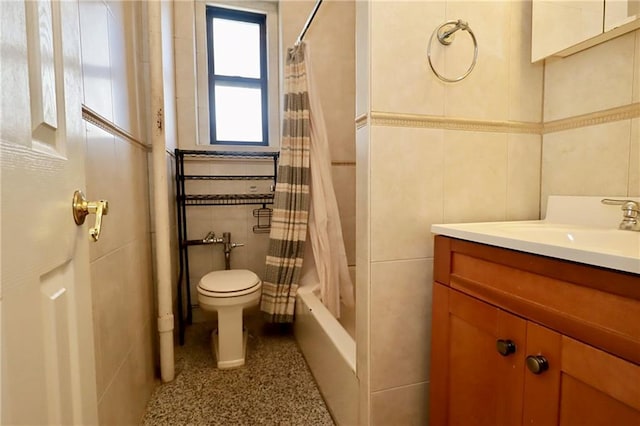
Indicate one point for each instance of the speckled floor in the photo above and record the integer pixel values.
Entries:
(274, 387)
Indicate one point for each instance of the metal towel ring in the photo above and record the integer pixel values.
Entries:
(445, 34)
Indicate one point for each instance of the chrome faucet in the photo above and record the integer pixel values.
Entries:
(212, 239)
(630, 213)
(228, 246)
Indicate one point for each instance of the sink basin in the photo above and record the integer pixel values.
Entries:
(605, 247)
(578, 237)
(576, 228)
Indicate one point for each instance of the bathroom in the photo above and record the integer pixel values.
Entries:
(491, 147)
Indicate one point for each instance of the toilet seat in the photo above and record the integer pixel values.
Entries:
(229, 283)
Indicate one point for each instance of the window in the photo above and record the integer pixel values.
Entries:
(237, 70)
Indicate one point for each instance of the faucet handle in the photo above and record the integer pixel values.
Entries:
(629, 206)
(630, 212)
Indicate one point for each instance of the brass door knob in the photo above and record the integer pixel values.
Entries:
(505, 347)
(537, 364)
(82, 208)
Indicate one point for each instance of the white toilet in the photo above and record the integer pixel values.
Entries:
(229, 292)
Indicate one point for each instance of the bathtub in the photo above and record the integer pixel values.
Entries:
(330, 353)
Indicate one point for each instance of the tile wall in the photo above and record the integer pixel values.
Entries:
(593, 156)
(432, 152)
(120, 262)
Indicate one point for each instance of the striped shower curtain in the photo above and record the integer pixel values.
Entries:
(291, 203)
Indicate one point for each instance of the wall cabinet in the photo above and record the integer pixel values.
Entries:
(564, 27)
(522, 339)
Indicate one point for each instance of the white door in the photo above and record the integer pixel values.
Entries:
(48, 367)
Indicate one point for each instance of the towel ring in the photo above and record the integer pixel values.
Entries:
(445, 34)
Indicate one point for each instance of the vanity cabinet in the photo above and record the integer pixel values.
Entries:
(520, 339)
(564, 27)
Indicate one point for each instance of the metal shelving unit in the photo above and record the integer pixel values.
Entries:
(184, 200)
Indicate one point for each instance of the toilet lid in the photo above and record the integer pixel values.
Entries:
(229, 283)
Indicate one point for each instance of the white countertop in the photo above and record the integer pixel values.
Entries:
(591, 238)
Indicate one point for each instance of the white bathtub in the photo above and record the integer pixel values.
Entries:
(330, 353)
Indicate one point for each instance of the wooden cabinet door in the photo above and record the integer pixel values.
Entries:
(471, 382)
(609, 384)
(583, 386)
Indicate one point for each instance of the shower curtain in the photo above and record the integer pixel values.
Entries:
(304, 201)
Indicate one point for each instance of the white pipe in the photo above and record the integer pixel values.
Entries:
(161, 196)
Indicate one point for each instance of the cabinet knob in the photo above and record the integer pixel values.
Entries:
(537, 364)
(505, 347)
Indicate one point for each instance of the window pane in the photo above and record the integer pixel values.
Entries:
(236, 48)
(238, 114)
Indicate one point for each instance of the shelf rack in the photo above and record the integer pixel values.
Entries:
(184, 200)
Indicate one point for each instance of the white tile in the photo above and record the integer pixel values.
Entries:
(407, 406)
(525, 79)
(634, 159)
(344, 183)
(592, 80)
(96, 67)
(186, 125)
(484, 93)
(406, 191)
(475, 176)
(523, 177)
(185, 68)
(400, 322)
(109, 316)
(184, 22)
(101, 172)
(401, 80)
(587, 161)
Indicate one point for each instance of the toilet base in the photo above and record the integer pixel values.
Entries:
(229, 363)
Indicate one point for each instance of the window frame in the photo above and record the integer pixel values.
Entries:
(234, 81)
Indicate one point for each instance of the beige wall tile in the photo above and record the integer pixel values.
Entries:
(256, 246)
(344, 184)
(124, 86)
(475, 176)
(406, 191)
(331, 41)
(109, 316)
(185, 68)
(401, 80)
(332, 48)
(183, 12)
(587, 161)
(407, 406)
(132, 192)
(484, 93)
(592, 80)
(125, 399)
(634, 159)
(363, 269)
(96, 74)
(137, 287)
(400, 322)
(362, 58)
(523, 176)
(101, 173)
(141, 360)
(525, 79)
(636, 66)
(186, 125)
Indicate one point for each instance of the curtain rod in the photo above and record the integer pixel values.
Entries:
(308, 23)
